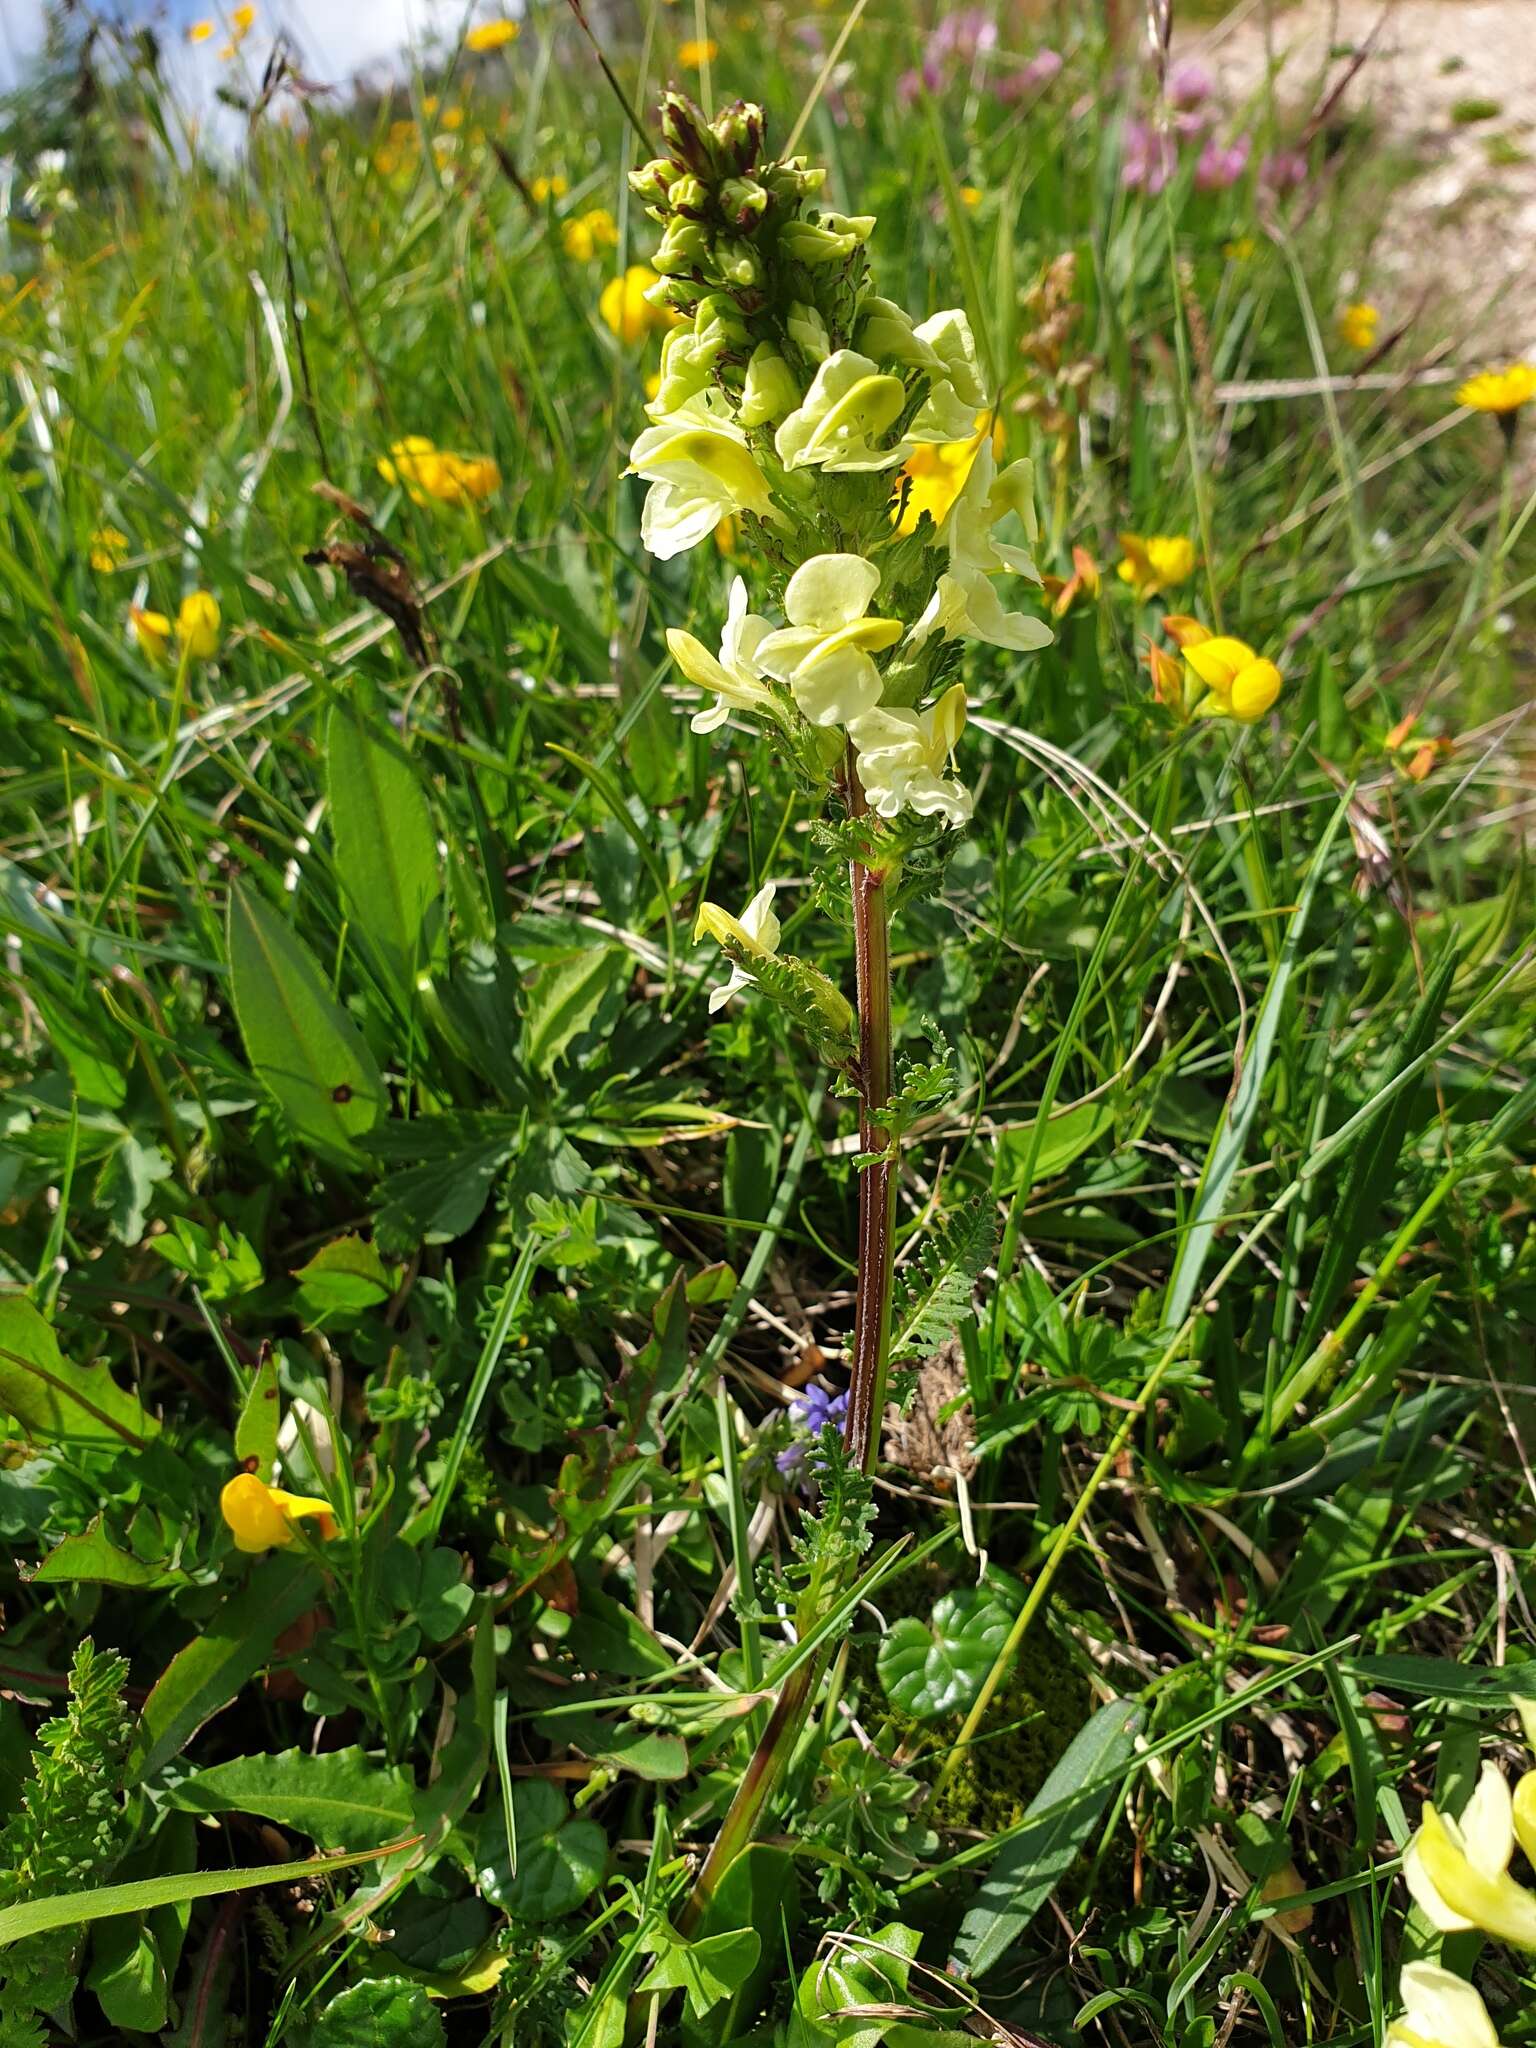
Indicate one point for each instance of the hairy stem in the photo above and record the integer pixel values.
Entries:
(871, 1342)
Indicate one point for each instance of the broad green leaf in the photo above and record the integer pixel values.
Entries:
(380, 2012)
(386, 849)
(759, 1890)
(260, 1417)
(436, 1173)
(651, 1753)
(707, 1969)
(560, 1861)
(55, 1401)
(145, 1894)
(341, 1799)
(940, 1666)
(301, 1043)
(562, 1001)
(231, 1647)
(127, 1975)
(1058, 1821)
(343, 1278)
(91, 1558)
(862, 1971)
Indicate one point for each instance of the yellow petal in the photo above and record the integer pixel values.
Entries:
(1254, 690)
(1492, 1901)
(1217, 660)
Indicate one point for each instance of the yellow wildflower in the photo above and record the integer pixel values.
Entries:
(491, 35)
(1183, 630)
(970, 196)
(197, 625)
(426, 472)
(453, 117)
(152, 630)
(1499, 391)
(199, 31)
(692, 55)
(108, 547)
(590, 232)
(1458, 1870)
(627, 311)
(1241, 684)
(543, 189)
(1156, 561)
(935, 474)
(1064, 591)
(263, 1517)
(243, 19)
(1241, 249)
(1358, 324)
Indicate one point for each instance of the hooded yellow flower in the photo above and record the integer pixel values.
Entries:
(1499, 391)
(700, 470)
(627, 310)
(1439, 2011)
(1458, 1870)
(936, 472)
(824, 653)
(262, 1517)
(735, 678)
(1358, 324)
(1156, 561)
(1241, 684)
(756, 932)
(197, 625)
(902, 756)
(965, 604)
(491, 35)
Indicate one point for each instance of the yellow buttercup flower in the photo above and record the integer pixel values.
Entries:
(543, 189)
(108, 547)
(1240, 683)
(1358, 324)
(691, 55)
(1499, 391)
(263, 1517)
(588, 233)
(626, 310)
(491, 35)
(152, 630)
(1156, 561)
(427, 472)
(198, 623)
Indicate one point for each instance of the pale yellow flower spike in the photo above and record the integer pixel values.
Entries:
(263, 1517)
(1458, 1870)
(1440, 2011)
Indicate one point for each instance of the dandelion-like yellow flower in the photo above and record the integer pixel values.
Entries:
(1499, 391)
(692, 55)
(491, 35)
(626, 310)
(152, 630)
(543, 189)
(1156, 561)
(263, 1517)
(589, 233)
(200, 32)
(108, 548)
(935, 474)
(1358, 324)
(1240, 683)
(198, 623)
(427, 473)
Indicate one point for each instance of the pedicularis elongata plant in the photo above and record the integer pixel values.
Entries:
(790, 394)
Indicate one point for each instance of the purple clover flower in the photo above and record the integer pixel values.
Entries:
(1146, 158)
(1221, 165)
(1189, 84)
(1045, 65)
(1283, 170)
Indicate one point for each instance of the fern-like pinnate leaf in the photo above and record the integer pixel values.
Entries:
(936, 1289)
(66, 1835)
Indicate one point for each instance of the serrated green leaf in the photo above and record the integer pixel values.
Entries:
(341, 1798)
(58, 1402)
(940, 1667)
(386, 849)
(302, 1045)
(560, 1861)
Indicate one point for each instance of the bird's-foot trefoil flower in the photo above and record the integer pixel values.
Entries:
(1156, 561)
(902, 757)
(1358, 324)
(152, 630)
(263, 1517)
(1239, 683)
(1458, 1870)
(198, 625)
(1440, 2010)
(825, 653)
(752, 936)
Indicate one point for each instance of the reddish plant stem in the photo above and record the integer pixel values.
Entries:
(871, 1341)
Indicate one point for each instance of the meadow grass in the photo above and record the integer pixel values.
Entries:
(363, 1110)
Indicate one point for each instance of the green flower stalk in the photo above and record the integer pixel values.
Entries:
(790, 397)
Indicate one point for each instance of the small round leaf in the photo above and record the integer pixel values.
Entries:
(940, 1667)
